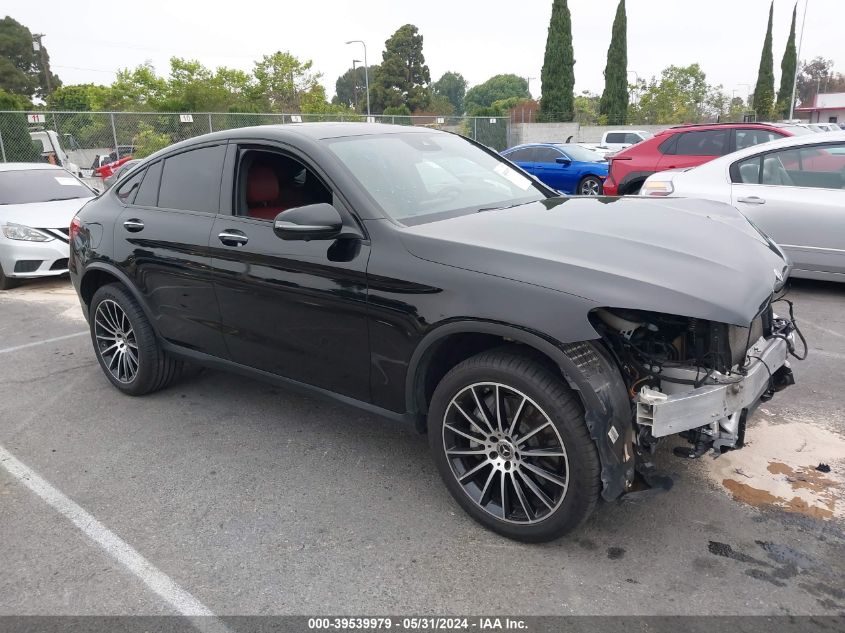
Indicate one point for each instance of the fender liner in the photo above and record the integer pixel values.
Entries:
(587, 368)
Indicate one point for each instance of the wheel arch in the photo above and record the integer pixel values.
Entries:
(586, 366)
(99, 274)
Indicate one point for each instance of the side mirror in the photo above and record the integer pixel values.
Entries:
(563, 161)
(319, 221)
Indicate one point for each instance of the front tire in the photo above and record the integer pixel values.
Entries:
(126, 347)
(509, 440)
(590, 186)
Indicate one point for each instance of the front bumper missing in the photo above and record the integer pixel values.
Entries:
(718, 405)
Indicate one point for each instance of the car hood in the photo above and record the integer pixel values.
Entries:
(43, 215)
(691, 258)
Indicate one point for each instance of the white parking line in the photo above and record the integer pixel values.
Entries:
(44, 342)
(182, 601)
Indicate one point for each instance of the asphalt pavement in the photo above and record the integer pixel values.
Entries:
(251, 499)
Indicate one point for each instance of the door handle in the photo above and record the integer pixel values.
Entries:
(133, 225)
(233, 238)
(751, 200)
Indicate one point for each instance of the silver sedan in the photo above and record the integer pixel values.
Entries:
(793, 189)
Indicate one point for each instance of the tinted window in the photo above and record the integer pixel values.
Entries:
(705, 143)
(546, 155)
(748, 138)
(22, 186)
(191, 180)
(522, 155)
(616, 137)
(631, 138)
(129, 188)
(148, 193)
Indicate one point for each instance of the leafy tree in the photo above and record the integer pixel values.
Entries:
(587, 108)
(281, 79)
(17, 145)
(453, 86)
(764, 90)
(440, 105)
(679, 95)
(138, 89)
(21, 71)
(614, 99)
(787, 71)
(350, 88)
(148, 141)
(496, 88)
(557, 77)
(815, 76)
(403, 77)
(79, 97)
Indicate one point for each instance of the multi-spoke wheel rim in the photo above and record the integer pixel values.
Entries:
(116, 342)
(505, 453)
(590, 187)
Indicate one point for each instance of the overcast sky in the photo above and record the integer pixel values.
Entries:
(88, 40)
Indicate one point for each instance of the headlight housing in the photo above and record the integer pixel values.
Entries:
(24, 233)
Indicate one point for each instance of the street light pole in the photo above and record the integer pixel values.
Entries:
(355, 81)
(39, 47)
(798, 61)
(366, 70)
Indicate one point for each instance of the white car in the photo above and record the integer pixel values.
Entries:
(37, 203)
(793, 189)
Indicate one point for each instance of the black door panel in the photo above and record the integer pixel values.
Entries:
(169, 262)
(297, 309)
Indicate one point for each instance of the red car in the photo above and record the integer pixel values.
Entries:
(686, 146)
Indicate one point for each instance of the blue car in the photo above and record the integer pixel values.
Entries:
(567, 167)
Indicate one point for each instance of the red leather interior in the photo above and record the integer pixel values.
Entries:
(262, 193)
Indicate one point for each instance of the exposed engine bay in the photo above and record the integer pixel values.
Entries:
(698, 378)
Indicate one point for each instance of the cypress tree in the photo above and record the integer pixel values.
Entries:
(764, 91)
(614, 99)
(558, 75)
(787, 70)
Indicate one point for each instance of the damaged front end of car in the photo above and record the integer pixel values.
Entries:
(697, 378)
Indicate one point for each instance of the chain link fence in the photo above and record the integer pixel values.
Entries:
(84, 141)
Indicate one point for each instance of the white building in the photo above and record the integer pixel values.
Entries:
(827, 108)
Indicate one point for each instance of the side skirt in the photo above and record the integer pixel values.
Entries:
(214, 362)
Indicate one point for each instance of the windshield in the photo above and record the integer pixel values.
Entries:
(25, 186)
(582, 154)
(417, 176)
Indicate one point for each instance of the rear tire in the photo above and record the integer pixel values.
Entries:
(7, 283)
(590, 186)
(125, 344)
(533, 474)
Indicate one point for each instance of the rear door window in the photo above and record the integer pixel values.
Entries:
(148, 192)
(704, 143)
(127, 190)
(191, 180)
(616, 137)
(522, 155)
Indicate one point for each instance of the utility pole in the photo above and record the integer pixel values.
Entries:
(366, 71)
(39, 48)
(798, 60)
(355, 81)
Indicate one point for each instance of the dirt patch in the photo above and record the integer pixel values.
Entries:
(777, 467)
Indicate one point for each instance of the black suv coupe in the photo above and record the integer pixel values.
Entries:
(544, 343)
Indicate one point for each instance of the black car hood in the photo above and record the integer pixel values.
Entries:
(686, 257)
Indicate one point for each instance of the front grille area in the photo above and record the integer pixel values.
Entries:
(27, 265)
(59, 264)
